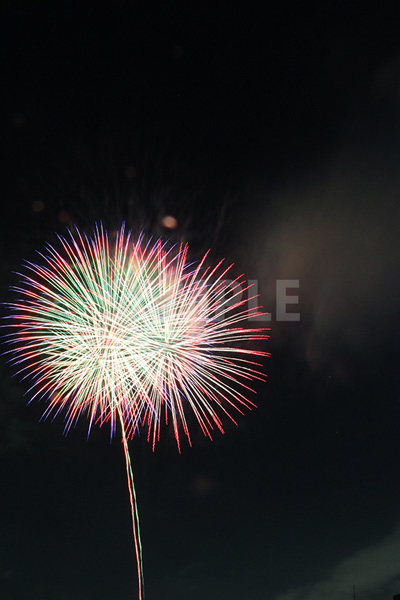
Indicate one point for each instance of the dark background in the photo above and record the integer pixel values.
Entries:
(271, 132)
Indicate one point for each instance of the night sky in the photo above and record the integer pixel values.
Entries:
(272, 134)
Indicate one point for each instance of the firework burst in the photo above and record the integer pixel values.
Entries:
(130, 332)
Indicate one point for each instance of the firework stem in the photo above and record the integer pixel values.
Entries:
(134, 510)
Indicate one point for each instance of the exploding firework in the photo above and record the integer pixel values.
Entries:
(132, 333)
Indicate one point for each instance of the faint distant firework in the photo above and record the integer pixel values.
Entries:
(131, 333)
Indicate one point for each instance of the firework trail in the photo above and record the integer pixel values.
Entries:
(130, 332)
